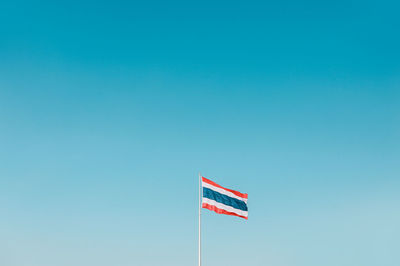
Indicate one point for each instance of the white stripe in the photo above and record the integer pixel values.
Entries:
(223, 191)
(225, 207)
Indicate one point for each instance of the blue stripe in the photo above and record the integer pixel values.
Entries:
(224, 199)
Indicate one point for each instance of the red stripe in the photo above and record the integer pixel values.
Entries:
(237, 193)
(221, 211)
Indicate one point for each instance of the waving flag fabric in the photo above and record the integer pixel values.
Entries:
(222, 200)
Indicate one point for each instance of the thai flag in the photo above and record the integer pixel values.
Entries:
(222, 200)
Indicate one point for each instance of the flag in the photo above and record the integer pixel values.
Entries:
(223, 200)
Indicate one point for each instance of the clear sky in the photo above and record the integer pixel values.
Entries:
(109, 109)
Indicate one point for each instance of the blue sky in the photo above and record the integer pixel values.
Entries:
(108, 111)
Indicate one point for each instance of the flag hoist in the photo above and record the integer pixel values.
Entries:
(220, 200)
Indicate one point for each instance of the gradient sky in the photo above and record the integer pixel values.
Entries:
(108, 111)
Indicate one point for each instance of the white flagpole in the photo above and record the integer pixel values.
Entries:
(200, 199)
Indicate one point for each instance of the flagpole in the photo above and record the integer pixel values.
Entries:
(200, 198)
